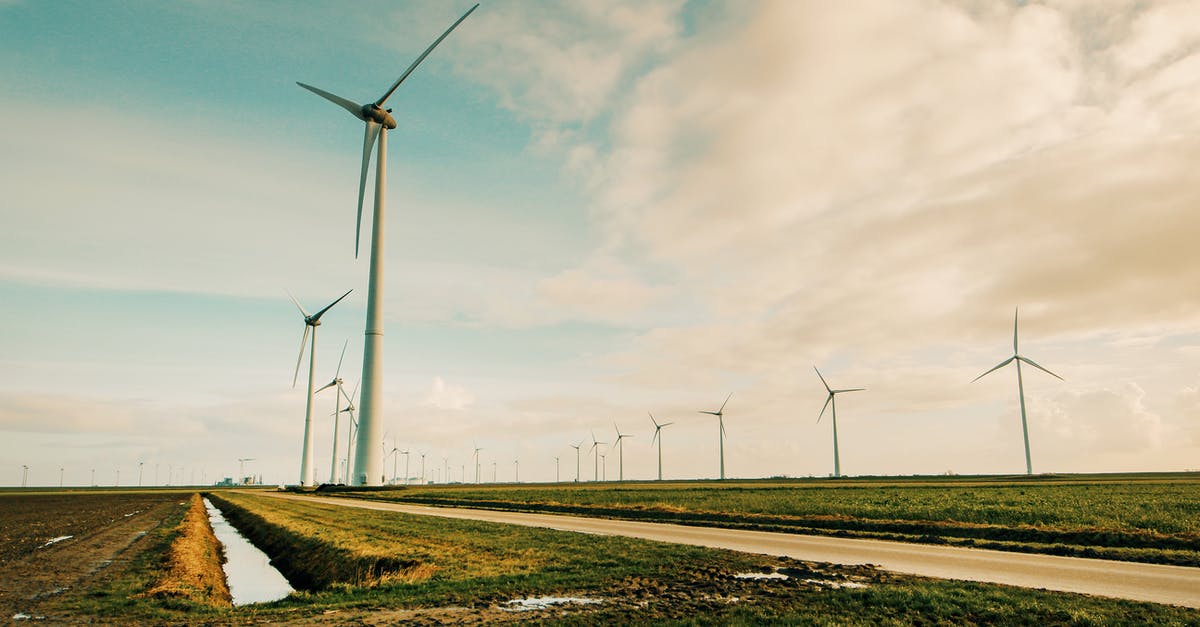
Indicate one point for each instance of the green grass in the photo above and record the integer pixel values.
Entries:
(1154, 518)
(478, 565)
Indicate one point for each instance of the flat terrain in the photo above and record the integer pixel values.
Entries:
(106, 530)
(1175, 585)
(1148, 517)
(368, 567)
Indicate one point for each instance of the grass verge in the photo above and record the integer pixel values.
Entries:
(193, 564)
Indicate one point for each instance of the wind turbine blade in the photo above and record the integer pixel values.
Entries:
(710, 413)
(849, 390)
(827, 389)
(726, 401)
(995, 368)
(652, 419)
(303, 341)
(422, 57)
(370, 134)
(304, 313)
(339, 368)
(354, 108)
(666, 424)
(652, 440)
(1032, 363)
(1015, 351)
(317, 316)
(825, 406)
(348, 398)
(326, 386)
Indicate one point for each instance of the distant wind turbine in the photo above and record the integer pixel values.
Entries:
(477, 449)
(657, 429)
(351, 431)
(832, 400)
(336, 383)
(307, 475)
(620, 446)
(378, 121)
(576, 447)
(1020, 388)
(596, 457)
(720, 414)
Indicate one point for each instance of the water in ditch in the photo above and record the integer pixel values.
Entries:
(251, 577)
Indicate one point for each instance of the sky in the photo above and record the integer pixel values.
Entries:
(597, 211)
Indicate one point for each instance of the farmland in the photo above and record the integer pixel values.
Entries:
(355, 566)
(1151, 518)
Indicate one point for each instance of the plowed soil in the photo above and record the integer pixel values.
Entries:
(104, 529)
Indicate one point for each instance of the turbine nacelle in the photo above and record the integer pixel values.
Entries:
(372, 112)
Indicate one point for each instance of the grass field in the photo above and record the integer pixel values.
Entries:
(1152, 518)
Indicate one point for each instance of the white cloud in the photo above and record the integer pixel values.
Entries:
(443, 395)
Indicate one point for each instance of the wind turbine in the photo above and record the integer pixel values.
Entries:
(576, 447)
(477, 449)
(313, 321)
(657, 429)
(336, 383)
(595, 457)
(351, 431)
(1020, 388)
(378, 121)
(557, 478)
(831, 399)
(720, 414)
(621, 452)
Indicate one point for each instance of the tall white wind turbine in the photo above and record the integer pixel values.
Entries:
(620, 445)
(1020, 388)
(336, 383)
(307, 475)
(368, 466)
(720, 414)
(832, 400)
(657, 428)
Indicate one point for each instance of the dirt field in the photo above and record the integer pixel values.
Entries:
(104, 529)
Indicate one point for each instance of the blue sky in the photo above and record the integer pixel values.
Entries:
(599, 210)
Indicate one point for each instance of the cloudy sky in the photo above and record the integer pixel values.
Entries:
(599, 210)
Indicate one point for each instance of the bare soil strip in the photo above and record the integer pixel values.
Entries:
(1175, 585)
(35, 578)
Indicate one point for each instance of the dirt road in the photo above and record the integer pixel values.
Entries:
(1175, 585)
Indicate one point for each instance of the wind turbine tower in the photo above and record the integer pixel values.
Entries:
(657, 436)
(1020, 388)
(367, 465)
(620, 452)
(307, 475)
(832, 400)
(720, 414)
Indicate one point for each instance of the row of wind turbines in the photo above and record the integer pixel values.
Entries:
(363, 461)
(597, 448)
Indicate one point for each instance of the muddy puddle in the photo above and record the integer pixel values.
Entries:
(248, 571)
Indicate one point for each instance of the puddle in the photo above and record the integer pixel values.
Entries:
(836, 584)
(541, 603)
(826, 583)
(54, 540)
(251, 577)
(761, 576)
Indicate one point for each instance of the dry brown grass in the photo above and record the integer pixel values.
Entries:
(193, 565)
